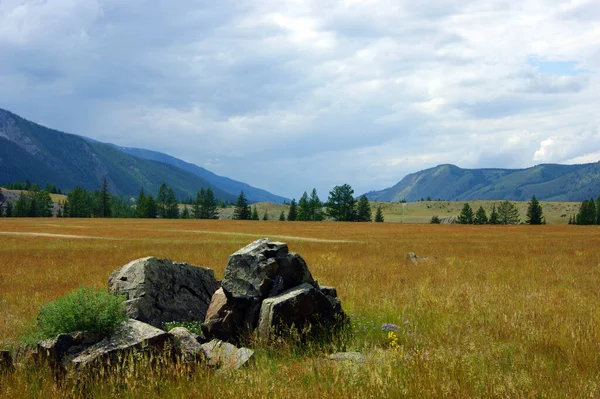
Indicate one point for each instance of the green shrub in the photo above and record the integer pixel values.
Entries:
(192, 326)
(85, 309)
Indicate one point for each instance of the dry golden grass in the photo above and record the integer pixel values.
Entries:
(507, 311)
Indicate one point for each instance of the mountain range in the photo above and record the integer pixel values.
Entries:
(548, 182)
(42, 155)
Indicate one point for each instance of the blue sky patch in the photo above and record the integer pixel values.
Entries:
(560, 68)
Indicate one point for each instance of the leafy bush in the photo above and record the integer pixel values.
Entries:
(191, 326)
(85, 309)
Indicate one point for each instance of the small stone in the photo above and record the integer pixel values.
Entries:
(225, 355)
(186, 345)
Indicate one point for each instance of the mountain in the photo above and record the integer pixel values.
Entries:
(548, 182)
(42, 155)
(226, 184)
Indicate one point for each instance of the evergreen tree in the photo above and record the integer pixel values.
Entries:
(161, 200)
(78, 202)
(341, 205)
(379, 215)
(303, 208)
(363, 209)
(2, 197)
(598, 210)
(315, 207)
(171, 205)
(534, 212)
(466, 215)
(508, 213)
(43, 204)
(186, 213)
(293, 213)
(209, 205)
(587, 213)
(197, 206)
(146, 206)
(8, 212)
(151, 208)
(494, 216)
(480, 216)
(140, 210)
(254, 215)
(282, 216)
(435, 219)
(104, 200)
(265, 216)
(241, 210)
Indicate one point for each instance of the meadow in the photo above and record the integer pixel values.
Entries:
(507, 311)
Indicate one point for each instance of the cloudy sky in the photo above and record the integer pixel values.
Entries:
(288, 95)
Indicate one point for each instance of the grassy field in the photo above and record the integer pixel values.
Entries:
(507, 311)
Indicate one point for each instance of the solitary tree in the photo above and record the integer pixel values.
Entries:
(209, 205)
(534, 212)
(466, 215)
(363, 209)
(480, 216)
(282, 217)
(254, 215)
(508, 213)
(379, 215)
(241, 211)
(293, 213)
(341, 205)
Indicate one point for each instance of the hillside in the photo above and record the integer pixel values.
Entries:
(549, 182)
(228, 185)
(43, 155)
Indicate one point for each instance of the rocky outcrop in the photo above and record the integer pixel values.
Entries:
(225, 355)
(59, 351)
(133, 335)
(160, 291)
(269, 288)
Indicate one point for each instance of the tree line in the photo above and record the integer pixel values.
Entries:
(589, 213)
(340, 206)
(505, 213)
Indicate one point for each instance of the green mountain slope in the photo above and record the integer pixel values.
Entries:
(42, 155)
(549, 182)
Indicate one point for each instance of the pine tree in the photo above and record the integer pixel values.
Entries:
(209, 205)
(363, 209)
(508, 213)
(480, 216)
(435, 219)
(587, 213)
(293, 213)
(315, 207)
(282, 216)
(104, 200)
(140, 204)
(341, 205)
(265, 216)
(161, 200)
(494, 216)
(43, 204)
(379, 215)
(534, 212)
(466, 215)
(254, 215)
(241, 211)
(598, 210)
(8, 212)
(186, 213)
(303, 208)
(197, 210)
(171, 205)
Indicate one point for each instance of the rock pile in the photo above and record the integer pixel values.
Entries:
(266, 289)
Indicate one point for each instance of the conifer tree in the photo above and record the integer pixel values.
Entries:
(466, 215)
(293, 213)
(303, 208)
(241, 211)
(508, 213)
(494, 216)
(161, 200)
(171, 205)
(363, 209)
(315, 207)
(435, 219)
(254, 215)
(8, 212)
(341, 205)
(587, 213)
(265, 215)
(186, 213)
(534, 212)
(282, 216)
(209, 205)
(379, 215)
(197, 206)
(105, 208)
(480, 216)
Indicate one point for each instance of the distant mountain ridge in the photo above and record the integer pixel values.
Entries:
(43, 155)
(548, 182)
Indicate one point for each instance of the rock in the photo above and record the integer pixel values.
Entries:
(159, 290)
(413, 259)
(250, 271)
(355, 357)
(296, 308)
(132, 335)
(225, 355)
(60, 350)
(328, 291)
(228, 318)
(187, 346)
(6, 362)
(293, 271)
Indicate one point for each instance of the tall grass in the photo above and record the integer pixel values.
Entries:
(507, 311)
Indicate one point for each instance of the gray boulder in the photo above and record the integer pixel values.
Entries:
(59, 351)
(298, 307)
(228, 318)
(225, 355)
(159, 290)
(132, 335)
(186, 345)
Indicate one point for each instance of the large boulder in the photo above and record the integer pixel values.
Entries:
(296, 308)
(160, 291)
(228, 318)
(133, 335)
(187, 347)
(59, 351)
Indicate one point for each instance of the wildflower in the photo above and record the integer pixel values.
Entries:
(389, 327)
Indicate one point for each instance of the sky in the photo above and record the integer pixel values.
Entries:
(288, 95)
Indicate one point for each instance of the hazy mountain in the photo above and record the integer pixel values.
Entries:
(226, 184)
(549, 182)
(42, 155)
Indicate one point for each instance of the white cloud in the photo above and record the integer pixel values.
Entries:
(291, 95)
